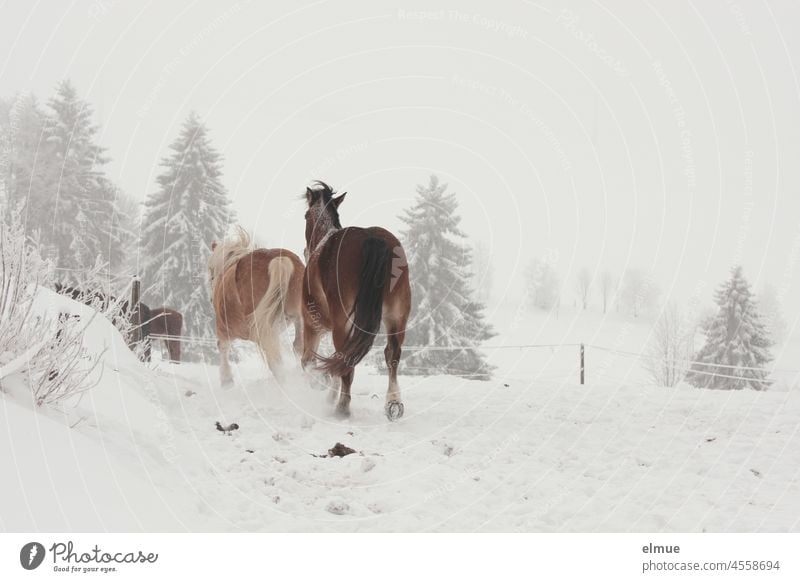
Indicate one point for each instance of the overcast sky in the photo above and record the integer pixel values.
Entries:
(663, 135)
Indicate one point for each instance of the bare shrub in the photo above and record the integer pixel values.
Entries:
(670, 348)
(49, 350)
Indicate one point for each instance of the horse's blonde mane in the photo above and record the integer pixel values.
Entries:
(230, 251)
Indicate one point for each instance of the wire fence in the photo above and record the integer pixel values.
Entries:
(692, 366)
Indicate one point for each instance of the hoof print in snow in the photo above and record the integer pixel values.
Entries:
(227, 429)
(251, 451)
(367, 465)
(340, 450)
(337, 507)
(756, 473)
(189, 393)
(711, 439)
(447, 450)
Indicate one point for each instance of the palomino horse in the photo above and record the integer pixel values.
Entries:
(355, 278)
(254, 292)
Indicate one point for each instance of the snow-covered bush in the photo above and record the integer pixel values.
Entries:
(47, 349)
(670, 348)
(22, 332)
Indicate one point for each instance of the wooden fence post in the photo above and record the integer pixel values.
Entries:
(136, 312)
(583, 366)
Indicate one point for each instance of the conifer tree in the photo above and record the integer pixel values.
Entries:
(736, 343)
(76, 201)
(444, 313)
(189, 210)
(27, 166)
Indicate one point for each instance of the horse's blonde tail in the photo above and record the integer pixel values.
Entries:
(268, 319)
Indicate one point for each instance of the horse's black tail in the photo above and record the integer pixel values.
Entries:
(367, 309)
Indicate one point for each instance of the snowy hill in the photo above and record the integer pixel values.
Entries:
(531, 450)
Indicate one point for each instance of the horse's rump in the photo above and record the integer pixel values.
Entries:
(166, 322)
(259, 287)
(358, 289)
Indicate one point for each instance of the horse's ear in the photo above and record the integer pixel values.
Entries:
(338, 200)
(213, 245)
(309, 196)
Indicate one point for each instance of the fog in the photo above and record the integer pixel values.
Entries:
(661, 135)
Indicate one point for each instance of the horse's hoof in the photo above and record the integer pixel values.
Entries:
(394, 410)
(227, 385)
(343, 412)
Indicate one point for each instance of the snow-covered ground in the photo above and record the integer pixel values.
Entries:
(531, 450)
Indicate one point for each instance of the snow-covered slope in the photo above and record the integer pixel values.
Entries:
(104, 459)
(531, 450)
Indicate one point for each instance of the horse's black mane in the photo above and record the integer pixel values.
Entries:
(326, 191)
(320, 190)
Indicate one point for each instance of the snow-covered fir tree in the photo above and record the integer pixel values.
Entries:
(190, 209)
(736, 342)
(27, 170)
(79, 195)
(445, 312)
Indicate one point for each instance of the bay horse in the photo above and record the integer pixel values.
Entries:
(162, 321)
(156, 321)
(254, 292)
(354, 279)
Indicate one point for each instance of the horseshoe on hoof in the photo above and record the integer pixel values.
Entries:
(394, 410)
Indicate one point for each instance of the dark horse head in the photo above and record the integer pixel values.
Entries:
(322, 215)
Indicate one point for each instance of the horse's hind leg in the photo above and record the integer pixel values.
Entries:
(174, 347)
(298, 336)
(343, 405)
(394, 403)
(310, 337)
(225, 376)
